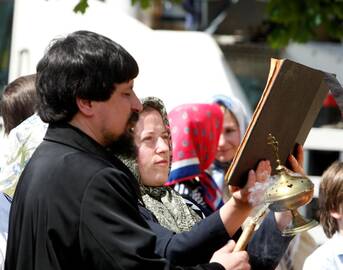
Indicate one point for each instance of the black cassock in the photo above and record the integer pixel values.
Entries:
(75, 207)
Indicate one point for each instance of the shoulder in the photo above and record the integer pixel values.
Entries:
(111, 181)
(114, 177)
(77, 174)
(321, 258)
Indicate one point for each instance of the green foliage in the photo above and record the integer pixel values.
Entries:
(144, 4)
(304, 20)
(289, 20)
(81, 6)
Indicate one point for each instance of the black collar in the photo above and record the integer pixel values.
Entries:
(64, 133)
(69, 135)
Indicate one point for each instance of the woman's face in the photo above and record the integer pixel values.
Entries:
(229, 138)
(152, 141)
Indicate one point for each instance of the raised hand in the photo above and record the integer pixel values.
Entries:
(261, 175)
(231, 260)
(237, 209)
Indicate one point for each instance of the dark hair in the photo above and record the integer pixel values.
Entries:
(331, 197)
(18, 102)
(82, 65)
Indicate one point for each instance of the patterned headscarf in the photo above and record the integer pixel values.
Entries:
(232, 104)
(168, 207)
(336, 89)
(153, 103)
(236, 108)
(195, 131)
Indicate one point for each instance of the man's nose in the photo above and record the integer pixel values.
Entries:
(136, 104)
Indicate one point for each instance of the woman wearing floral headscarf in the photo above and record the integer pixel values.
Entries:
(181, 237)
(208, 189)
(195, 130)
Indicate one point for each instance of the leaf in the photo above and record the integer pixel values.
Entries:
(299, 20)
(144, 4)
(81, 6)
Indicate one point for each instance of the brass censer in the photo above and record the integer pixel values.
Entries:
(288, 193)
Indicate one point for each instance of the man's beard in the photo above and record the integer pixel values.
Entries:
(124, 146)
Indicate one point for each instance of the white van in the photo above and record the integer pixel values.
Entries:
(177, 66)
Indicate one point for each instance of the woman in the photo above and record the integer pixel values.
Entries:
(195, 132)
(166, 212)
(210, 180)
(24, 130)
(18, 102)
(234, 125)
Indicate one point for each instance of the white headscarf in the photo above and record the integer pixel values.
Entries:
(236, 108)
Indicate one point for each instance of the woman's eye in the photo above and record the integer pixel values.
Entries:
(146, 139)
(229, 130)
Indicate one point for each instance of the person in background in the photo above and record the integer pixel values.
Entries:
(330, 254)
(209, 193)
(23, 128)
(233, 129)
(17, 103)
(76, 204)
(195, 132)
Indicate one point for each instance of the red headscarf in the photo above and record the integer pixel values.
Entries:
(195, 131)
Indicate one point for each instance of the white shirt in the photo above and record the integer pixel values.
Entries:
(328, 256)
(4, 215)
(18, 148)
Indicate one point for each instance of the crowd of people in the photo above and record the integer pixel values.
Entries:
(94, 178)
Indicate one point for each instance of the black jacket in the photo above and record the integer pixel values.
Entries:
(197, 246)
(75, 207)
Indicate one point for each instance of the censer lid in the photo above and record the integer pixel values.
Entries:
(288, 185)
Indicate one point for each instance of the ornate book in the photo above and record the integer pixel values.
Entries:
(287, 109)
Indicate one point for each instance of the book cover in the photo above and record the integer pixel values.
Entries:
(287, 109)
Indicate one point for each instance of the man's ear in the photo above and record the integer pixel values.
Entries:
(85, 106)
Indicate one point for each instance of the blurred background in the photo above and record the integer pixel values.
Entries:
(189, 50)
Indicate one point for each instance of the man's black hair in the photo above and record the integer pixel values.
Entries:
(82, 65)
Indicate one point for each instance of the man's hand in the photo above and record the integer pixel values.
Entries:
(237, 209)
(231, 260)
(261, 175)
